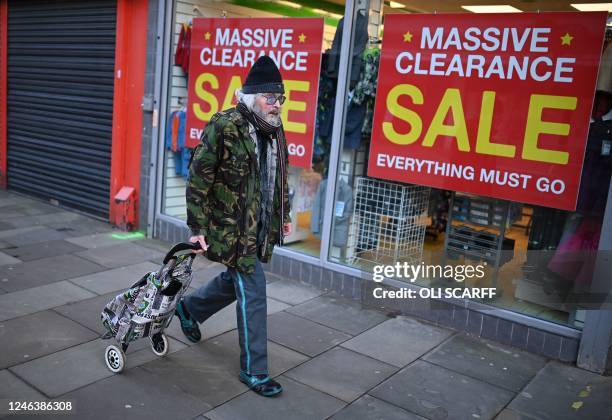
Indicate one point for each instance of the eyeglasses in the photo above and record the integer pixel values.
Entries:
(271, 99)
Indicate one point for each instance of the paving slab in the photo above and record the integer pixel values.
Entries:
(205, 371)
(273, 306)
(14, 389)
(398, 341)
(82, 227)
(6, 226)
(39, 334)
(508, 414)
(303, 335)
(43, 250)
(342, 373)
(563, 392)
(135, 394)
(221, 322)
(44, 234)
(296, 402)
(340, 314)
(122, 254)
(292, 292)
(12, 201)
(27, 208)
(280, 358)
(87, 312)
(438, 393)
(204, 275)
(369, 408)
(210, 369)
(44, 271)
(202, 263)
(78, 366)
(102, 240)
(64, 217)
(116, 279)
(35, 299)
(157, 244)
(19, 231)
(494, 363)
(6, 258)
(272, 277)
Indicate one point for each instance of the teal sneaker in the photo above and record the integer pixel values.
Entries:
(261, 384)
(189, 326)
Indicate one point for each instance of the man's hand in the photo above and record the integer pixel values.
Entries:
(287, 229)
(199, 239)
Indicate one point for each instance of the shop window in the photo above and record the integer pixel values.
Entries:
(304, 183)
(540, 259)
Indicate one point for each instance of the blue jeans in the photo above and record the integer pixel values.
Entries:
(251, 312)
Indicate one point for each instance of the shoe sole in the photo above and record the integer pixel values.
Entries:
(263, 394)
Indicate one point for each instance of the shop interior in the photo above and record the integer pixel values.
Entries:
(537, 257)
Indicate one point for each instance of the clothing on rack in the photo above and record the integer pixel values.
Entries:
(366, 86)
(546, 229)
(355, 117)
(604, 81)
(597, 168)
(183, 47)
(365, 91)
(602, 104)
(325, 106)
(343, 208)
(575, 258)
(439, 202)
(175, 142)
(359, 44)
(361, 104)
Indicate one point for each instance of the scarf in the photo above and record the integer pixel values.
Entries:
(266, 132)
(259, 123)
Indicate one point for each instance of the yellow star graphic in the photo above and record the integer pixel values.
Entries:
(207, 36)
(566, 39)
(302, 38)
(408, 37)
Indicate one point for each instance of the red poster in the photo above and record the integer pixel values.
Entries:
(491, 104)
(222, 52)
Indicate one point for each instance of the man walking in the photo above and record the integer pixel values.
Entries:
(238, 210)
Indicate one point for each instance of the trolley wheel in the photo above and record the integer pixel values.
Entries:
(160, 344)
(114, 358)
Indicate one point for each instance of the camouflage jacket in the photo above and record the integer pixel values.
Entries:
(224, 192)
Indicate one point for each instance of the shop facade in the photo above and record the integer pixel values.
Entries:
(71, 84)
(373, 221)
(549, 266)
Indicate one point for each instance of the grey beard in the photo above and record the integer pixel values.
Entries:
(271, 119)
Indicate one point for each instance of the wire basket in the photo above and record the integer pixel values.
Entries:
(389, 223)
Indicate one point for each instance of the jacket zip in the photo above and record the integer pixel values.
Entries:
(241, 226)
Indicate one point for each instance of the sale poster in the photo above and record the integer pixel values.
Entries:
(222, 52)
(491, 104)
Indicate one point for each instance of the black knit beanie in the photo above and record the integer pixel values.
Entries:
(264, 77)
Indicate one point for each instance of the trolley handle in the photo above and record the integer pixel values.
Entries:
(182, 246)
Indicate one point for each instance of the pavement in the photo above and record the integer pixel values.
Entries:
(335, 358)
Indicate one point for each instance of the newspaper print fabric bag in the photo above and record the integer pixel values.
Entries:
(147, 306)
